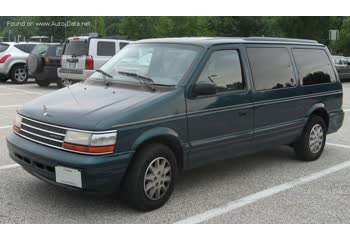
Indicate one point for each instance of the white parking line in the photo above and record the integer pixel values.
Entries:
(10, 106)
(3, 127)
(9, 166)
(24, 91)
(210, 214)
(229, 207)
(346, 110)
(338, 145)
(10, 94)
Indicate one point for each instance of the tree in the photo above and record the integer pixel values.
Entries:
(138, 27)
(344, 38)
(177, 27)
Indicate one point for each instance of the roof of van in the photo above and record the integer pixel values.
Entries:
(208, 41)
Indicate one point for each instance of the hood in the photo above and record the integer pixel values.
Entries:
(83, 106)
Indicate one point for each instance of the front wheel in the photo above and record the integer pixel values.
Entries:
(311, 144)
(151, 177)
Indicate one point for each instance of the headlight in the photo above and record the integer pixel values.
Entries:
(17, 124)
(80, 138)
(96, 143)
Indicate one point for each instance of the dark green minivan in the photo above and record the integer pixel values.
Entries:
(161, 106)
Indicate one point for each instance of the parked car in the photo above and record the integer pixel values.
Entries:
(43, 62)
(82, 55)
(162, 106)
(343, 67)
(13, 56)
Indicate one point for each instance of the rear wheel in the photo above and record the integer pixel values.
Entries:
(61, 83)
(18, 74)
(311, 144)
(42, 83)
(151, 177)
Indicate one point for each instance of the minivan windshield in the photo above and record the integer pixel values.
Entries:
(76, 48)
(159, 64)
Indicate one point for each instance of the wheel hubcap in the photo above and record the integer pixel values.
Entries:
(316, 138)
(157, 178)
(67, 83)
(20, 75)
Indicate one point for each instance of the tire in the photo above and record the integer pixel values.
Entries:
(135, 184)
(304, 149)
(61, 83)
(18, 74)
(42, 83)
(35, 63)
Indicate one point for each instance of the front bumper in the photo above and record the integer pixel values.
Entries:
(99, 173)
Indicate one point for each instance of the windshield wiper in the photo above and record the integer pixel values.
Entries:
(145, 80)
(104, 75)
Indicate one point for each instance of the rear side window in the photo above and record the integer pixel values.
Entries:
(122, 45)
(271, 68)
(224, 70)
(76, 48)
(105, 48)
(4, 47)
(27, 48)
(314, 66)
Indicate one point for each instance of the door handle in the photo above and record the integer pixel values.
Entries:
(242, 114)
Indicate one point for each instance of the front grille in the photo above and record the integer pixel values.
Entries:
(42, 133)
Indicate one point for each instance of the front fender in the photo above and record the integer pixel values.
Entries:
(154, 133)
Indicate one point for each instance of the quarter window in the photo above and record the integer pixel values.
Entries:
(105, 48)
(122, 45)
(224, 70)
(314, 66)
(271, 68)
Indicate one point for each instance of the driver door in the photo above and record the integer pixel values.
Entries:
(220, 126)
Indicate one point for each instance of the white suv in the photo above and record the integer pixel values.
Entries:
(13, 57)
(84, 54)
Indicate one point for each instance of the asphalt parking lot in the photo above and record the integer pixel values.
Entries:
(269, 187)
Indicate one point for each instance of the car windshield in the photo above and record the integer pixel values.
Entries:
(76, 47)
(160, 64)
(40, 49)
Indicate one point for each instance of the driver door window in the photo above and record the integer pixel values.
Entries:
(224, 70)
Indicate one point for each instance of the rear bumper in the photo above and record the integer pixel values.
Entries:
(99, 173)
(74, 74)
(335, 121)
(4, 69)
(49, 73)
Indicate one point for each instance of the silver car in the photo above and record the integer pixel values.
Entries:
(13, 57)
(82, 55)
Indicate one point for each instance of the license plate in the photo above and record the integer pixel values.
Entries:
(68, 176)
(72, 65)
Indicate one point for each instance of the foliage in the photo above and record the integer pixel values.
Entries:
(140, 27)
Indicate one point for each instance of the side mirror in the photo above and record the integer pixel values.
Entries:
(204, 88)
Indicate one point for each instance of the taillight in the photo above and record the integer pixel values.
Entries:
(47, 61)
(4, 58)
(89, 63)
